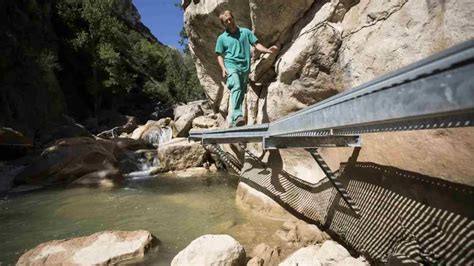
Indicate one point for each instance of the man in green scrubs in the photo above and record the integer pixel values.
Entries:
(233, 55)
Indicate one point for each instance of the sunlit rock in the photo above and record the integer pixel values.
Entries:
(264, 255)
(211, 250)
(103, 248)
(329, 253)
(184, 116)
(208, 121)
(180, 154)
(297, 233)
(250, 198)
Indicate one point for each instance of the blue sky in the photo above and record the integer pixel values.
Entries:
(163, 18)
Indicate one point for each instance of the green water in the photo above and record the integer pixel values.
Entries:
(174, 209)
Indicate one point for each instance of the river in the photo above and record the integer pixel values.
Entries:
(175, 208)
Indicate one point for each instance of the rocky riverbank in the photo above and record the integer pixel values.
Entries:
(77, 157)
(299, 244)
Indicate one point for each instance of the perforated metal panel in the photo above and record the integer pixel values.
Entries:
(432, 222)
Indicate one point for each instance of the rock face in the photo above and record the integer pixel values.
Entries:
(248, 197)
(211, 250)
(103, 248)
(331, 46)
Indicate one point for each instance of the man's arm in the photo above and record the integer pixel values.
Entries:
(263, 49)
(220, 60)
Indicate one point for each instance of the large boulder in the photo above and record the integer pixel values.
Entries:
(184, 116)
(103, 248)
(180, 154)
(208, 121)
(182, 109)
(68, 160)
(211, 250)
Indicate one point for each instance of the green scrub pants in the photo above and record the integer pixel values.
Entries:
(237, 84)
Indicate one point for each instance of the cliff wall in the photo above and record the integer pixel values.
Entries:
(327, 47)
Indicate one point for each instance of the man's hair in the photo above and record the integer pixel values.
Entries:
(221, 16)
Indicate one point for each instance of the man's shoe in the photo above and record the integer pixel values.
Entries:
(239, 122)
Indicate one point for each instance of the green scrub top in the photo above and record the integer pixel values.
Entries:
(235, 47)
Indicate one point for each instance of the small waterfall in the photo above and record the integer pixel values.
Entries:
(166, 135)
(142, 164)
(160, 136)
(145, 162)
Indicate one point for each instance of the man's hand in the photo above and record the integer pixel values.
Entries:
(224, 73)
(272, 49)
(263, 49)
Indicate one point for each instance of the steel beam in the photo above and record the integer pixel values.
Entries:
(310, 142)
(436, 92)
(246, 134)
(441, 87)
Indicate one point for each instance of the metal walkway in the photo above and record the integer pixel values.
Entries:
(437, 92)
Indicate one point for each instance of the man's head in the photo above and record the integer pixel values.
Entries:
(227, 19)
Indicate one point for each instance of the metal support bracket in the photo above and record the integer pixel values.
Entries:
(334, 181)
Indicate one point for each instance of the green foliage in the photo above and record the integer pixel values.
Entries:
(47, 60)
(48, 64)
(121, 58)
